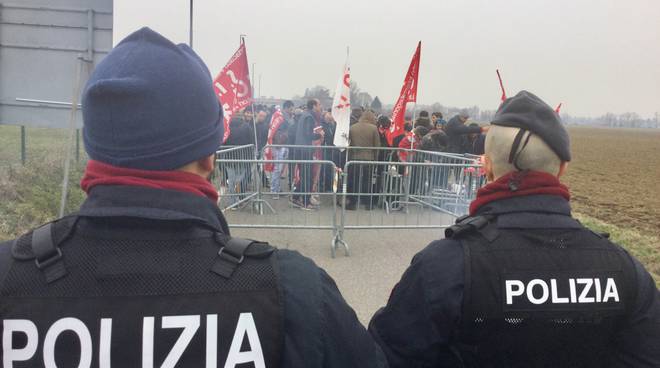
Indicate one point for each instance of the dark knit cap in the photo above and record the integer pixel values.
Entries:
(150, 105)
(528, 112)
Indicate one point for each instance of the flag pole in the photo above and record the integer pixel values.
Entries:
(350, 108)
(190, 31)
(414, 122)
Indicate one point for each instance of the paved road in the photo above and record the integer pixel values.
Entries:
(378, 259)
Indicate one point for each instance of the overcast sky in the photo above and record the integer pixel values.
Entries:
(595, 56)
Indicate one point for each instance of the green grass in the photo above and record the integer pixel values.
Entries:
(643, 247)
(30, 194)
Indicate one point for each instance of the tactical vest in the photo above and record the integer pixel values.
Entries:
(208, 300)
(540, 297)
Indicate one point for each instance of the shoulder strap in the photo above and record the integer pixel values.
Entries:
(467, 224)
(48, 256)
(232, 253)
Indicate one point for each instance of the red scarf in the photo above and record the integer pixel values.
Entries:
(524, 183)
(99, 173)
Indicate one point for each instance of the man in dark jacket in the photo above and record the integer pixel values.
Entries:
(457, 132)
(240, 134)
(520, 283)
(146, 273)
(307, 131)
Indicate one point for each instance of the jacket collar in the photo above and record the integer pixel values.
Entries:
(533, 211)
(541, 203)
(153, 204)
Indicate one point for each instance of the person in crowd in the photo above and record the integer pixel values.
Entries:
(247, 115)
(408, 120)
(519, 282)
(383, 124)
(293, 152)
(281, 138)
(435, 140)
(262, 125)
(410, 141)
(457, 131)
(356, 112)
(308, 130)
(438, 121)
(407, 128)
(146, 273)
(317, 155)
(423, 120)
(327, 175)
(365, 134)
(240, 133)
(475, 142)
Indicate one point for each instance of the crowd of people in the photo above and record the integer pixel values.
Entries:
(308, 132)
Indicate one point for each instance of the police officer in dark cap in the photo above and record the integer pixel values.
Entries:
(519, 282)
(146, 274)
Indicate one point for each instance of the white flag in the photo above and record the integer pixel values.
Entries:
(341, 108)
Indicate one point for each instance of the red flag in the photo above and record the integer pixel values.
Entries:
(408, 94)
(232, 85)
(558, 108)
(275, 121)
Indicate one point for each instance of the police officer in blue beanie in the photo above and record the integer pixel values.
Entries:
(519, 282)
(146, 272)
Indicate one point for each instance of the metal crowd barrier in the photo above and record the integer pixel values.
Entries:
(340, 192)
(234, 181)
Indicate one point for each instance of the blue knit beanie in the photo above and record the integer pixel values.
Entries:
(150, 105)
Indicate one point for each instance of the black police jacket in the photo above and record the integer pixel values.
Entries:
(138, 279)
(430, 319)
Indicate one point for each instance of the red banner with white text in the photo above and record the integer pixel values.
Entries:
(232, 85)
(408, 94)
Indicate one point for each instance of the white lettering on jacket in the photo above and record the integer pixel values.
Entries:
(580, 291)
(189, 325)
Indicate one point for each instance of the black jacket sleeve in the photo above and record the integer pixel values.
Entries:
(461, 129)
(309, 129)
(321, 330)
(638, 342)
(415, 326)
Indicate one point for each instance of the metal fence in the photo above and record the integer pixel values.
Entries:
(327, 188)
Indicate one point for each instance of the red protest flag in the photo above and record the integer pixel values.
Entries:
(408, 94)
(232, 85)
(558, 108)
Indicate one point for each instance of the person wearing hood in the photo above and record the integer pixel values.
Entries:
(146, 273)
(365, 134)
(519, 282)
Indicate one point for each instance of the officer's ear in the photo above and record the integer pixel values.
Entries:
(488, 168)
(562, 168)
(207, 164)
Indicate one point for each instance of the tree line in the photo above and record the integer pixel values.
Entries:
(364, 99)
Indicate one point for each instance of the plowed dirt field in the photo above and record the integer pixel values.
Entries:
(615, 176)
